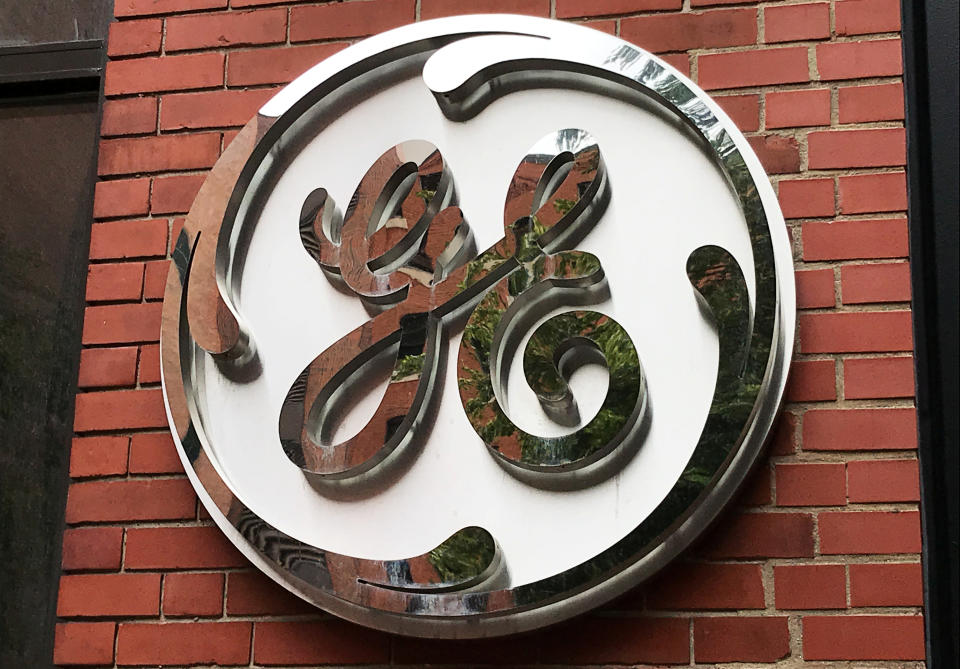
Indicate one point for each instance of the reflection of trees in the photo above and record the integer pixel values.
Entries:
(464, 556)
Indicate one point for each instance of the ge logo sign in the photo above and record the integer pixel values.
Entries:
(476, 325)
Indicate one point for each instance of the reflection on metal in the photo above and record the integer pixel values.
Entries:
(401, 244)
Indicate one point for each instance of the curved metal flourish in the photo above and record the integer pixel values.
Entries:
(540, 53)
(398, 219)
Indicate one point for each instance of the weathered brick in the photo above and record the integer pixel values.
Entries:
(119, 409)
(875, 147)
(157, 154)
(843, 240)
(689, 30)
(247, 68)
(255, 594)
(740, 639)
(114, 282)
(886, 282)
(214, 109)
(859, 429)
(121, 324)
(812, 381)
(883, 481)
(221, 643)
(806, 198)
(174, 194)
(105, 367)
(180, 548)
(128, 239)
(92, 595)
(753, 68)
(874, 378)
(433, 9)
(166, 73)
(744, 110)
(83, 644)
(92, 548)
(321, 642)
(201, 31)
(777, 154)
(792, 23)
(568, 9)
(859, 17)
(796, 109)
(154, 285)
(697, 586)
(124, 197)
(762, 535)
(349, 19)
(130, 499)
(863, 638)
(866, 532)
(860, 104)
(154, 453)
(617, 641)
(123, 8)
(811, 484)
(869, 193)
(886, 584)
(98, 456)
(193, 594)
(815, 288)
(129, 116)
(810, 586)
(858, 60)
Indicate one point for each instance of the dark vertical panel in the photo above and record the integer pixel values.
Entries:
(38, 21)
(47, 167)
(931, 72)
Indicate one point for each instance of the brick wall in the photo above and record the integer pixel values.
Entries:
(819, 558)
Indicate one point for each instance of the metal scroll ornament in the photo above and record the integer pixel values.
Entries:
(404, 248)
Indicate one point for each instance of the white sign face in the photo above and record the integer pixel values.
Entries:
(478, 324)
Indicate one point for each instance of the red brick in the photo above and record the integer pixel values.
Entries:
(133, 499)
(129, 116)
(807, 198)
(777, 154)
(128, 239)
(679, 61)
(83, 644)
(254, 594)
(783, 441)
(812, 381)
(154, 454)
(707, 587)
(876, 147)
(134, 38)
(568, 9)
(884, 481)
(125, 197)
(149, 368)
(119, 409)
(754, 68)
(321, 642)
(859, 104)
(859, 429)
(810, 586)
(762, 535)
(744, 110)
(175, 194)
(863, 638)
(166, 73)
(842, 240)
(214, 109)
(886, 584)
(89, 595)
(147, 7)
(608, 26)
(349, 19)
(796, 109)
(157, 154)
(201, 31)
(508, 651)
(811, 484)
(791, 23)
(155, 283)
(689, 30)
(756, 489)
(92, 548)
(114, 281)
(180, 548)
(193, 594)
(432, 9)
(866, 532)
(121, 324)
(740, 639)
(617, 641)
(859, 17)
(886, 282)
(104, 367)
(858, 60)
(856, 332)
(877, 378)
(98, 456)
(815, 288)
(868, 193)
(226, 643)
(246, 68)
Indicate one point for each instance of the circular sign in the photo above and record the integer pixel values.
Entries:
(476, 325)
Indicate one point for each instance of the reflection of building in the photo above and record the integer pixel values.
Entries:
(815, 565)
